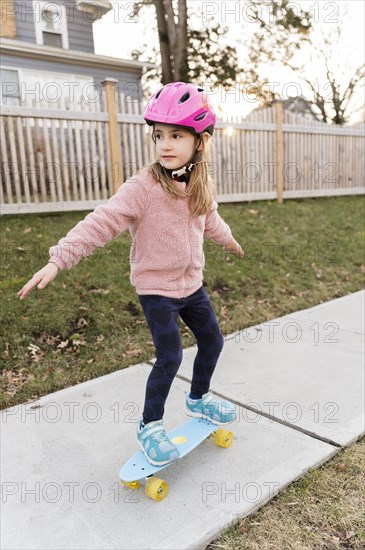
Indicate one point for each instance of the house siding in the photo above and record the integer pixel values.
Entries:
(79, 24)
(129, 82)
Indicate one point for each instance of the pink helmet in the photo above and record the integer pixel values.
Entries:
(182, 104)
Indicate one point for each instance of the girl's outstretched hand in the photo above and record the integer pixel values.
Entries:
(41, 278)
(233, 246)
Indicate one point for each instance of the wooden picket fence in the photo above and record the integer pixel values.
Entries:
(74, 158)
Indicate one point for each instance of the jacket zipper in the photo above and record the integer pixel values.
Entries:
(183, 296)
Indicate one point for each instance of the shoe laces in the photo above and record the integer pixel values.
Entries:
(213, 404)
(208, 400)
(158, 435)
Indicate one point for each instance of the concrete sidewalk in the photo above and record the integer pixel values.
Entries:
(298, 385)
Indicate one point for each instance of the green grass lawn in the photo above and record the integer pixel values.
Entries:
(88, 321)
(321, 511)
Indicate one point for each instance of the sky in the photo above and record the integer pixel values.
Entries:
(118, 33)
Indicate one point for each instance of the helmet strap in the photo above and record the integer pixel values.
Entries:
(181, 174)
(175, 174)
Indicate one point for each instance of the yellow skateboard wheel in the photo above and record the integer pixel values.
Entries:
(156, 488)
(223, 438)
(131, 484)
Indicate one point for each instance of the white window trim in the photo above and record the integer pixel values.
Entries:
(23, 73)
(38, 6)
(15, 69)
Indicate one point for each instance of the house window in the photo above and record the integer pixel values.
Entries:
(50, 24)
(10, 89)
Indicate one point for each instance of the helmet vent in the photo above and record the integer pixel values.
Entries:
(185, 97)
(200, 89)
(158, 93)
(201, 116)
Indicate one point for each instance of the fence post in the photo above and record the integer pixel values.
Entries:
(7, 19)
(278, 106)
(109, 86)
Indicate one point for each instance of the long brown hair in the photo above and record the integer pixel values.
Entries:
(201, 190)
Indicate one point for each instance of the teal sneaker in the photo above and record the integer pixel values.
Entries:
(155, 444)
(215, 410)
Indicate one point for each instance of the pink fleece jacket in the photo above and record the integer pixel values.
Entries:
(166, 255)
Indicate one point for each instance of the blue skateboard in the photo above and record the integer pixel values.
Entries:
(186, 437)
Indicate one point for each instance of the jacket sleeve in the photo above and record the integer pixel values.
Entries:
(99, 227)
(216, 228)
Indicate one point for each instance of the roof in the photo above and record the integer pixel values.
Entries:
(103, 5)
(10, 46)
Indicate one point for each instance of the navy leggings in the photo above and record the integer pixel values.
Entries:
(162, 315)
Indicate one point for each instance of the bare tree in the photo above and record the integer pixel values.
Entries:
(173, 38)
(188, 53)
(338, 105)
(271, 46)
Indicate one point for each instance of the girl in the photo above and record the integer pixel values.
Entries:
(169, 208)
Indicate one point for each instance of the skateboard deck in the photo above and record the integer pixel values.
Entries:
(186, 437)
